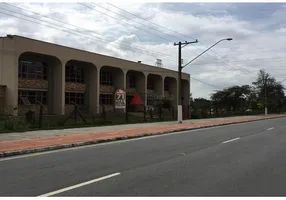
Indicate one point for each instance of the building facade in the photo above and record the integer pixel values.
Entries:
(33, 72)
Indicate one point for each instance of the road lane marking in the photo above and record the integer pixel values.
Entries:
(270, 128)
(231, 140)
(79, 185)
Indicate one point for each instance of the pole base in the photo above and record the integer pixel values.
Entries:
(180, 114)
(265, 111)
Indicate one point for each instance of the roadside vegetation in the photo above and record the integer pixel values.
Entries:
(243, 100)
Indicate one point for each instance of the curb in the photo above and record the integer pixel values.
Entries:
(92, 142)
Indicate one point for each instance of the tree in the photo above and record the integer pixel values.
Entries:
(238, 99)
(269, 92)
(200, 107)
(232, 99)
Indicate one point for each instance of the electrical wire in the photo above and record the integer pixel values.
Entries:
(43, 16)
(136, 22)
(77, 32)
(12, 52)
(253, 50)
(58, 29)
(177, 37)
(211, 85)
(246, 61)
(227, 66)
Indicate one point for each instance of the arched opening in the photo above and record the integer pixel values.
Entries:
(80, 86)
(170, 90)
(135, 83)
(154, 88)
(111, 79)
(36, 81)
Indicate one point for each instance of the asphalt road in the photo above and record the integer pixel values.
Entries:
(238, 160)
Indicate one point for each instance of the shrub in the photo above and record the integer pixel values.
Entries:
(14, 124)
(30, 117)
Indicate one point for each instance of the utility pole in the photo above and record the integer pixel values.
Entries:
(180, 92)
(180, 67)
(265, 97)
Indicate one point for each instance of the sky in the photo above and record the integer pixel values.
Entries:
(147, 31)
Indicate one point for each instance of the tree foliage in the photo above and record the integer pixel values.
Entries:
(235, 100)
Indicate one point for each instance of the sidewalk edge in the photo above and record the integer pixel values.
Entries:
(92, 142)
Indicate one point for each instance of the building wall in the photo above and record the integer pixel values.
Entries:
(8, 69)
(13, 47)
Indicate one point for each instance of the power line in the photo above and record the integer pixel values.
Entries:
(246, 61)
(153, 71)
(174, 32)
(134, 21)
(46, 21)
(123, 21)
(211, 85)
(37, 22)
(148, 21)
(253, 50)
(80, 28)
(140, 28)
(98, 38)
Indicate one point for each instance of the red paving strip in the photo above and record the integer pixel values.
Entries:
(18, 145)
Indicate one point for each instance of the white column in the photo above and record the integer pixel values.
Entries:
(9, 75)
(93, 78)
(59, 89)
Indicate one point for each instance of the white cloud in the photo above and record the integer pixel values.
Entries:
(250, 50)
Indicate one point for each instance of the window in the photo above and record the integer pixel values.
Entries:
(106, 99)
(74, 74)
(131, 81)
(34, 97)
(166, 85)
(77, 98)
(105, 78)
(32, 70)
(150, 84)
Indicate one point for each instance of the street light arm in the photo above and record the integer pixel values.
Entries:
(206, 51)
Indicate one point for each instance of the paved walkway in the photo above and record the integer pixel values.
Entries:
(88, 130)
(34, 141)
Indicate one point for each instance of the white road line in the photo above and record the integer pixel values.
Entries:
(231, 140)
(270, 128)
(79, 185)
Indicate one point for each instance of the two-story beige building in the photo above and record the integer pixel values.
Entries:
(33, 71)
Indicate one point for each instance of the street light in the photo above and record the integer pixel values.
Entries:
(180, 67)
(228, 39)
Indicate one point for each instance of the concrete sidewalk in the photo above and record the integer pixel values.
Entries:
(88, 130)
(38, 141)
